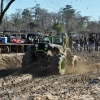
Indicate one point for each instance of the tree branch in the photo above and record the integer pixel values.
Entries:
(1, 6)
(7, 7)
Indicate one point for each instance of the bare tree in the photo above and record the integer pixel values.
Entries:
(3, 10)
(15, 20)
(93, 26)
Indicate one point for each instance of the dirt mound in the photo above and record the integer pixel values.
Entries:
(8, 61)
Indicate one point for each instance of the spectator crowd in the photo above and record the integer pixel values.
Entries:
(84, 43)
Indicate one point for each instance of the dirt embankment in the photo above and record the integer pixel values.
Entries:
(9, 61)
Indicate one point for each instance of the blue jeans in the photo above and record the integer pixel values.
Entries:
(96, 46)
(91, 45)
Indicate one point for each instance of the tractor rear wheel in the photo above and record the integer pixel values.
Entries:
(59, 64)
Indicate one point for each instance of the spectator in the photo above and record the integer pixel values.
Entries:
(91, 42)
(50, 34)
(96, 42)
(81, 43)
(85, 43)
(78, 43)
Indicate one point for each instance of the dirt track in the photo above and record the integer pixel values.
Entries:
(81, 84)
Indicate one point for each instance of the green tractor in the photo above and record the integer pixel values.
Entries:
(55, 46)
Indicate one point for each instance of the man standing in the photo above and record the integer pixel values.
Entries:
(81, 43)
(91, 42)
(96, 42)
(85, 43)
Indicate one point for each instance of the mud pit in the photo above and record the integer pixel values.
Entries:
(38, 83)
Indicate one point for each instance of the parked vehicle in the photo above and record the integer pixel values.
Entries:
(16, 40)
(12, 37)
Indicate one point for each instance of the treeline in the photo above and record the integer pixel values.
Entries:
(38, 19)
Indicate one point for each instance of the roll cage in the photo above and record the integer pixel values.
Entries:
(53, 39)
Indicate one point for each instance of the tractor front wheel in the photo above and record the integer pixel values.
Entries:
(59, 64)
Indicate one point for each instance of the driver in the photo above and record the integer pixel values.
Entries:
(36, 39)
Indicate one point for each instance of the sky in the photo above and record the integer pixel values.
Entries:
(86, 7)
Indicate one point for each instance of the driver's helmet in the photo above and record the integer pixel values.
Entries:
(36, 39)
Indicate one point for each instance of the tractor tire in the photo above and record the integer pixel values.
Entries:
(5, 49)
(59, 64)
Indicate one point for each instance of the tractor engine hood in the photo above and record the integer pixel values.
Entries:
(55, 45)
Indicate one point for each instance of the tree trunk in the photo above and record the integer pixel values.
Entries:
(3, 11)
